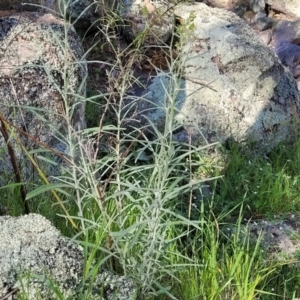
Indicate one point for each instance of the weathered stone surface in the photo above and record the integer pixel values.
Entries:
(257, 5)
(85, 12)
(289, 7)
(33, 57)
(152, 21)
(233, 86)
(279, 31)
(31, 245)
(278, 237)
(227, 4)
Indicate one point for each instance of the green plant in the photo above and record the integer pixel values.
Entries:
(267, 185)
(229, 265)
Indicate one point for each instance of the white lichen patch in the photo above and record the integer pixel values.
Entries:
(32, 252)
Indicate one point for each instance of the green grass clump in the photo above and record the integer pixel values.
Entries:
(265, 184)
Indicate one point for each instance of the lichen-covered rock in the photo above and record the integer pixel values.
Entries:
(227, 4)
(232, 86)
(40, 71)
(278, 237)
(85, 12)
(32, 252)
(30, 244)
(151, 21)
(257, 5)
(289, 7)
(108, 286)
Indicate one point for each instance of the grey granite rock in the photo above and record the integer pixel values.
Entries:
(33, 57)
(151, 21)
(31, 244)
(289, 7)
(85, 12)
(32, 251)
(232, 85)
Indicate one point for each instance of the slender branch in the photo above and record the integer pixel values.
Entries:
(60, 155)
(9, 294)
(42, 175)
(16, 169)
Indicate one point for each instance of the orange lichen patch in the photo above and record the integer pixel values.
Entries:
(6, 68)
(36, 17)
(149, 6)
(24, 50)
(49, 19)
(23, 37)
